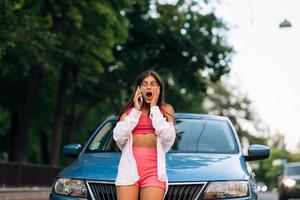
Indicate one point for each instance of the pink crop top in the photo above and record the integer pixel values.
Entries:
(144, 125)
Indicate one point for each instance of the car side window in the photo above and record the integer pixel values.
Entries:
(103, 141)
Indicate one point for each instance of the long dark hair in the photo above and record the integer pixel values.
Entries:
(141, 77)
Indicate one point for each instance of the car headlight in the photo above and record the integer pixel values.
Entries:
(289, 182)
(226, 189)
(264, 188)
(70, 187)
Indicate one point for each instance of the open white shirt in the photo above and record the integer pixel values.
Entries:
(122, 134)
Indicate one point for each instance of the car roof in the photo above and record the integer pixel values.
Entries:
(190, 116)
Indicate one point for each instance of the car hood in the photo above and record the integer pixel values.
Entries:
(180, 167)
(94, 166)
(205, 167)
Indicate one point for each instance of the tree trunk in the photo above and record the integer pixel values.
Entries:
(71, 136)
(24, 118)
(44, 142)
(13, 134)
(59, 116)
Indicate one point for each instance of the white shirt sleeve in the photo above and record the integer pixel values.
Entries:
(164, 129)
(124, 128)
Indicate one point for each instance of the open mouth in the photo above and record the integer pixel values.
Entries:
(149, 94)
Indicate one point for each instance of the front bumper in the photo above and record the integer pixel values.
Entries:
(63, 197)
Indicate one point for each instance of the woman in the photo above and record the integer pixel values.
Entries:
(144, 133)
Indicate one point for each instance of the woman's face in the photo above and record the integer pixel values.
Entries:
(148, 86)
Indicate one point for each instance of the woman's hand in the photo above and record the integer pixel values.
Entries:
(138, 94)
(155, 97)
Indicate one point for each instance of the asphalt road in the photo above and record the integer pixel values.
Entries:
(25, 196)
(24, 193)
(269, 196)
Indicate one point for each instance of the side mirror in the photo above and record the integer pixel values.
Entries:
(257, 152)
(72, 150)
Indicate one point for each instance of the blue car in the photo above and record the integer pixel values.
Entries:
(206, 162)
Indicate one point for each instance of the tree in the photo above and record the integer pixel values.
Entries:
(58, 39)
(24, 55)
(84, 49)
(179, 43)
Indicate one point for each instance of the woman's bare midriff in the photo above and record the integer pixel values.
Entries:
(144, 140)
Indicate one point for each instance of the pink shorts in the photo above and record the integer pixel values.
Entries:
(146, 160)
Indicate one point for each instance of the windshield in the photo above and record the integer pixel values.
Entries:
(193, 135)
(208, 136)
(293, 170)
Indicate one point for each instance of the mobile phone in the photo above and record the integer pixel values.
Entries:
(140, 98)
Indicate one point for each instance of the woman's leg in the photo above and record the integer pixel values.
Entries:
(127, 192)
(152, 193)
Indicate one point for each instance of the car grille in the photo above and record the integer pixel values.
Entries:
(182, 191)
(176, 191)
(102, 190)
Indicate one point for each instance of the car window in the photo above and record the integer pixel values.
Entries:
(293, 170)
(209, 136)
(192, 135)
(103, 140)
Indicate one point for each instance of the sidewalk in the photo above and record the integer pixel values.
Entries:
(24, 193)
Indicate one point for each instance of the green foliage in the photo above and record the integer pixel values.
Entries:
(48, 36)
(180, 44)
